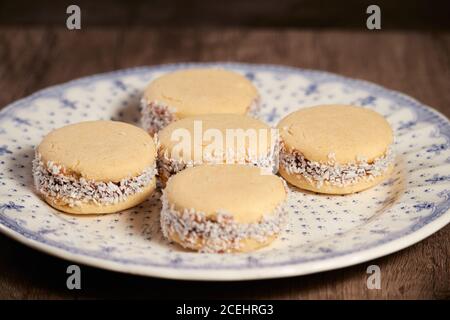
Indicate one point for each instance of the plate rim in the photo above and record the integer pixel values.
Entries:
(259, 272)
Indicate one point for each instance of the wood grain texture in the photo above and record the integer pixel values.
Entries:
(415, 63)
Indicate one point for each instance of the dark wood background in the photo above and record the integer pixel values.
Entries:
(398, 14)
(411, 54)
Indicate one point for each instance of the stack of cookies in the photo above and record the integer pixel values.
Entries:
(216, 164)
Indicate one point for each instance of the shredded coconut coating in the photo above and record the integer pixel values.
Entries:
(50, 181)
(333, 173)
(269, 162)
(220, 234)
(155, 116)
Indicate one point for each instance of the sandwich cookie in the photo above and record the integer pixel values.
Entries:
(223, 208)
(216, 139)
(192, 92)
(95, 167)
(335, 149)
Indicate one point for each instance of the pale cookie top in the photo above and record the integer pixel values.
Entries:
(99, 150)
(347, 132)
(202, 91)
(216, 134)
(239, 190)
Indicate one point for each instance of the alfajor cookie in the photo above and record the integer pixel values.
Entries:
(223, 208)
(193, 92)
(216, 139)
(95, 167)
(335, 149)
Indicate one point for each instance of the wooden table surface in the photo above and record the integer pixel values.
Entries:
(412, 62)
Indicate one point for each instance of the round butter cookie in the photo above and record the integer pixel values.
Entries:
(223, 208)
(95, 167)
(191, 92)
(335, 149)
(216, 139)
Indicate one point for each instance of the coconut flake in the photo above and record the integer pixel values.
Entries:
(155, 115)
(51, 181)
(333, 173)
(168, 166)
(219, 234)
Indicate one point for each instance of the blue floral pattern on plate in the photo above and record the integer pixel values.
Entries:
(323, 233)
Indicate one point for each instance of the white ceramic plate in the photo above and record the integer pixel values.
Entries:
(324, 232)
